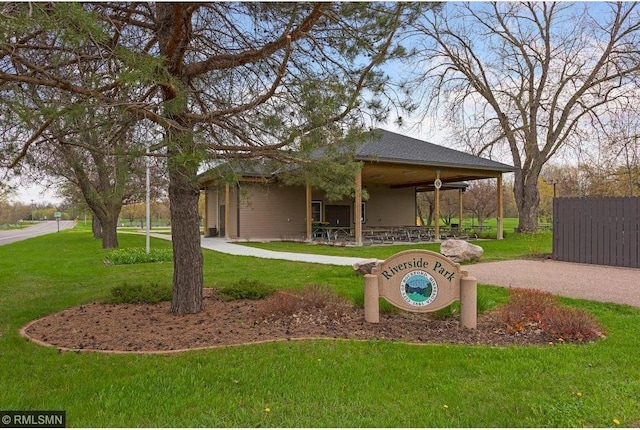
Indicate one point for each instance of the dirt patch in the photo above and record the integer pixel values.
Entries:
(152, 328)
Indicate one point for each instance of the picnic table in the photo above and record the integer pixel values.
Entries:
(455, 233)
(481, 227)
(387, 235)
(399, 234)
(331, 233)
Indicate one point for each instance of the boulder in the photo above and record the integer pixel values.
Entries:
(364, 267)
(460, 250)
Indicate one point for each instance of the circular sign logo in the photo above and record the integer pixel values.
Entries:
(418, 288)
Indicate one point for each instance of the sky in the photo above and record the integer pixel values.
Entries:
(35, 193)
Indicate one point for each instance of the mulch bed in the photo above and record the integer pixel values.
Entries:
(152, 328)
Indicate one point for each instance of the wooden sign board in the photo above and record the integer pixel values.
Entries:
(421, 281)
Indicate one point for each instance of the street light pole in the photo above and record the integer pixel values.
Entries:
(148, 206)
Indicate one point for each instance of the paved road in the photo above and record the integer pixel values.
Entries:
(45, 227)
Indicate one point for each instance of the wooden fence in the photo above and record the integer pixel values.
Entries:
(597, 230)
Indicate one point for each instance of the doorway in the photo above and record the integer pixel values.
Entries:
(338, 215)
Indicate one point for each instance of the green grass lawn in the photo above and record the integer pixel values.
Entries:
(303, 384)
(508, 224)
(512, 247)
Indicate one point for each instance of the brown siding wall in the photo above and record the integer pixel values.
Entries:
(388, 207)
(278, 212)
(271, 212)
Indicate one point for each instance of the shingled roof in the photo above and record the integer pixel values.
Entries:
(389, 147)
(386, 148)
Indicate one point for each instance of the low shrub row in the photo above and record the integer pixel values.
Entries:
(140, 293)
(138, 255)
(530, 309)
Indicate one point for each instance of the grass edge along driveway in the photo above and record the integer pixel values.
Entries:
(295, 384)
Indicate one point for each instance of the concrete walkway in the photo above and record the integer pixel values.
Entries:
(581, 281)
(221, 245)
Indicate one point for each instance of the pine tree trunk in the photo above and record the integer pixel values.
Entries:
(185, 232)
(174, 34)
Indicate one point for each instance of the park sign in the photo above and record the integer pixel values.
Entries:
(57, 216)
(420, 281)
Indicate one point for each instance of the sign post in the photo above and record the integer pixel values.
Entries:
(57, 216)
(420, 281)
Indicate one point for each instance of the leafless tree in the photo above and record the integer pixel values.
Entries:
(619, 152)
(535, 76)
(480, 199)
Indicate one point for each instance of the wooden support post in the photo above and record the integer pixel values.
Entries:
(309, 213)
(227, 200)
(206, 212)
(357, 210)
(500, 207)
(460, 208)
(216, 213)
(436, 215)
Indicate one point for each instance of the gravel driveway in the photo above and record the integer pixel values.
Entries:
(582, 281)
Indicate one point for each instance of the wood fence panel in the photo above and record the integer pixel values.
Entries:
(619, 232)
(634, 245)
(597, 230)
(610, 239)
(569, 234)
(585, 232)
(590, 215)
(592, 236)
(635, 254)
(627, 233)
(578, 235)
